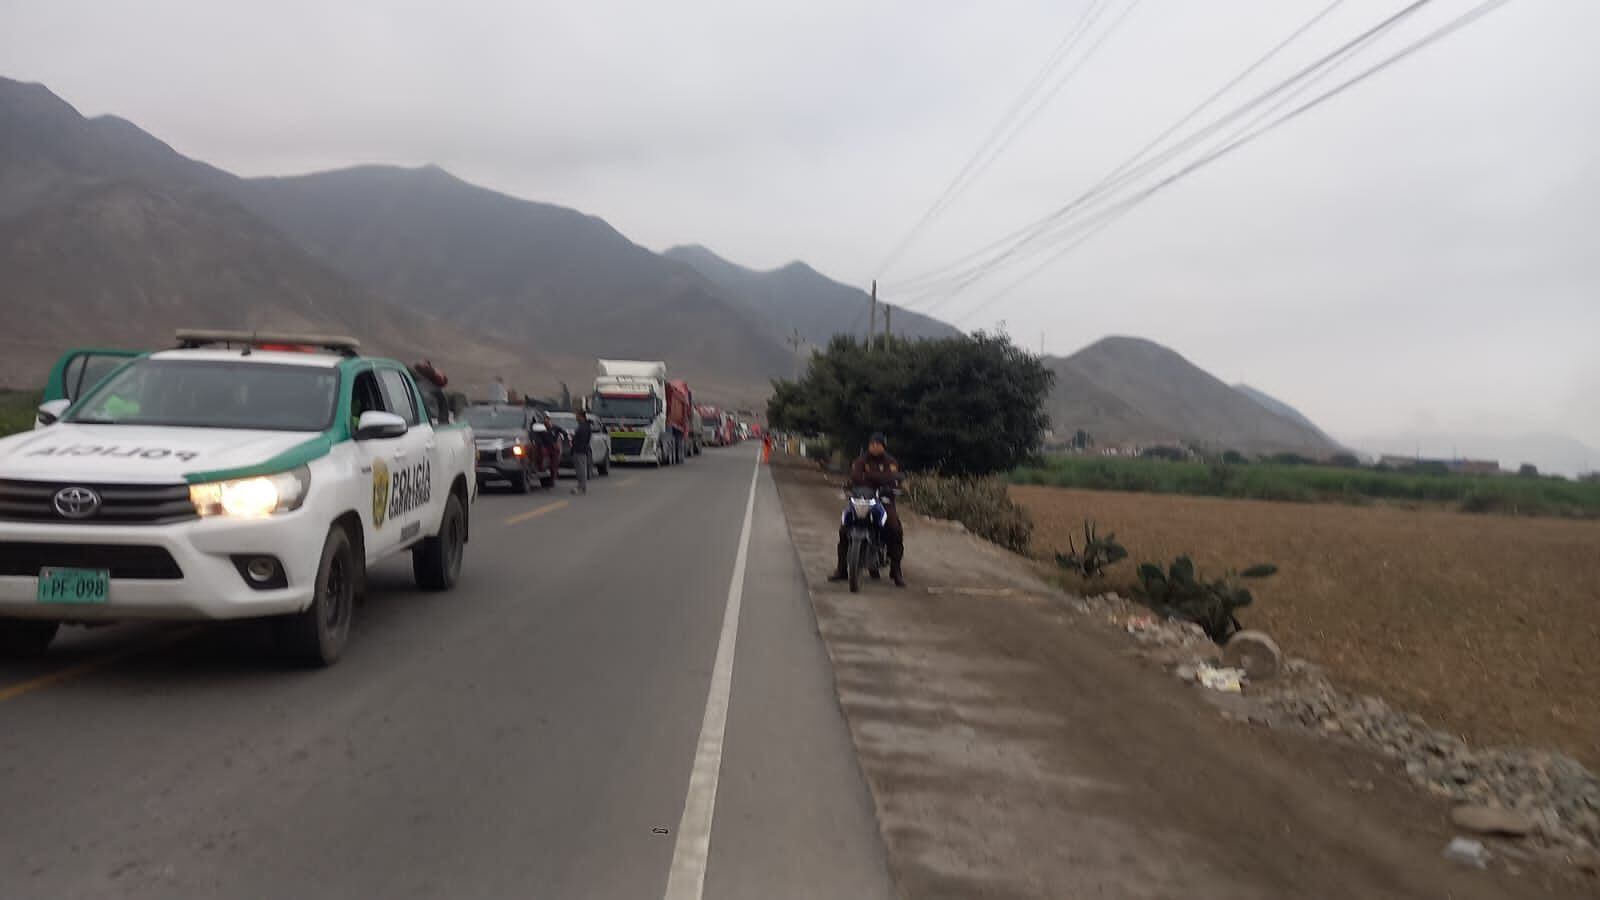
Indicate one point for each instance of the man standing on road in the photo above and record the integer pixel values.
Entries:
(497, 392)
(877, 469)
(582, 452)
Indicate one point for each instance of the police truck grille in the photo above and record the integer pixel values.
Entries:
(120, 504)
(123, 560)
(627, 446)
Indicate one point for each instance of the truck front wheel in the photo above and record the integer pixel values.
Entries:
(317, 636)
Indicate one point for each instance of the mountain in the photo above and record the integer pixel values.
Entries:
(1281, 408)
(108, 237)
(546, 277)
(798, 297)
(1125, 390)
(1551, 453)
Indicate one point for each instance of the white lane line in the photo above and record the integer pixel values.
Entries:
(687, 878)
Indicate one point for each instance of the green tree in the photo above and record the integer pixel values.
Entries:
(960, 406)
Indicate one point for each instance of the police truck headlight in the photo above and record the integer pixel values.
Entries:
(252, 498)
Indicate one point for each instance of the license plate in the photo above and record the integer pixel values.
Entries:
(74, 585)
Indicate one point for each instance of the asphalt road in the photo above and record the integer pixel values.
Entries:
(530, 734)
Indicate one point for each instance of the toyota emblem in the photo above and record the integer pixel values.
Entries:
(77, 502)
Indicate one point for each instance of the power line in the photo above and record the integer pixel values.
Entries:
(1022, 239)
(981, 158)
(1116, 173)
(1115, 212)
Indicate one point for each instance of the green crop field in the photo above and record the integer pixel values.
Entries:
(17, 410)
(1512, 494)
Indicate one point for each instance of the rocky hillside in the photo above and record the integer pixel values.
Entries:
(1125, 390)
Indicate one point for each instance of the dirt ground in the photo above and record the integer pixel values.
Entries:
(1015, 748)
(1487, 625)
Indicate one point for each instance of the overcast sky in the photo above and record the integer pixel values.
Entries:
(1421, 254)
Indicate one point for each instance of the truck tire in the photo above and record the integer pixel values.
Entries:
(317, 636)
(26, 638)
(436, 562)
(605, 465)
(523, 483)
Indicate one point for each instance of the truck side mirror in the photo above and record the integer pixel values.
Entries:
(50, 412)
(377, 425)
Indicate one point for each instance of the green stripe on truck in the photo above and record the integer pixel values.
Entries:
(295, 456)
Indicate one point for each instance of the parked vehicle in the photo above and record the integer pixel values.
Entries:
(506, 448)
(599, 441)
(226, 480)
(646, 417)
(79, 370)
(717, 428)
(690, 430)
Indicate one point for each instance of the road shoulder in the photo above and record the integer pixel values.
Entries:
(1013, 749)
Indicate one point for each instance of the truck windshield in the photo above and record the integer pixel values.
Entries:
(494, 418)
(214, 394)
(625, 407)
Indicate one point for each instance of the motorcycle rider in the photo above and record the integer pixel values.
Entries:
(877, 469)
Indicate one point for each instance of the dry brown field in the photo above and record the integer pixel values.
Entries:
(1489, 625)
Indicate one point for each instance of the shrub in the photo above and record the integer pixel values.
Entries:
(981, 504)
(1098, 552)
(1213, 605)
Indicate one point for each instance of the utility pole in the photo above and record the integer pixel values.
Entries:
(872, 316)
(887, 331)
(794, 341)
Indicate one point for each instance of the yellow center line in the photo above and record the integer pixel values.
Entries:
(536, 512)
(84, 668)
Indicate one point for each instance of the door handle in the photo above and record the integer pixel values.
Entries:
(399, 454)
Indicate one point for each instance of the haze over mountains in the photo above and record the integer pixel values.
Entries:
(109, 237)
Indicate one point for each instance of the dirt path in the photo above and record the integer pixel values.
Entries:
(1016, 750)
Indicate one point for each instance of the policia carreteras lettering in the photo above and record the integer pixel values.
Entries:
(877, 469)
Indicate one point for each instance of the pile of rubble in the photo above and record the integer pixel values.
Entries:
(1546, 799)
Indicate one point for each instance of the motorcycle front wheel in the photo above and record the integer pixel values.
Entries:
(858, 552)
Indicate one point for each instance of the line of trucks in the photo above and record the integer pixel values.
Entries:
(654, 420)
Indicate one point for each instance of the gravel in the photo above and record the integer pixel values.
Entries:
(1549, 797)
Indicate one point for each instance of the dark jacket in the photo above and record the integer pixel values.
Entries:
(581, 437)
(875, 471)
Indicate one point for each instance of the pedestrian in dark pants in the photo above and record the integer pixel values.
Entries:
(582, 453)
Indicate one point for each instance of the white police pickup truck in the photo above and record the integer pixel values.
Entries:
(240, 475)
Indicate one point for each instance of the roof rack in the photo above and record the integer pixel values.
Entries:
(191, 338)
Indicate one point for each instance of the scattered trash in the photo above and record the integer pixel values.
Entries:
(658, 830)
(1220, 678)
(1136, 624)
(1186, 672)
(1467, 852)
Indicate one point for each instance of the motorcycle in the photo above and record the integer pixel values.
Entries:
(864, 517)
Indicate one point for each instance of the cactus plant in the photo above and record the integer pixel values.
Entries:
(1098, 553)
(1213, 605)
